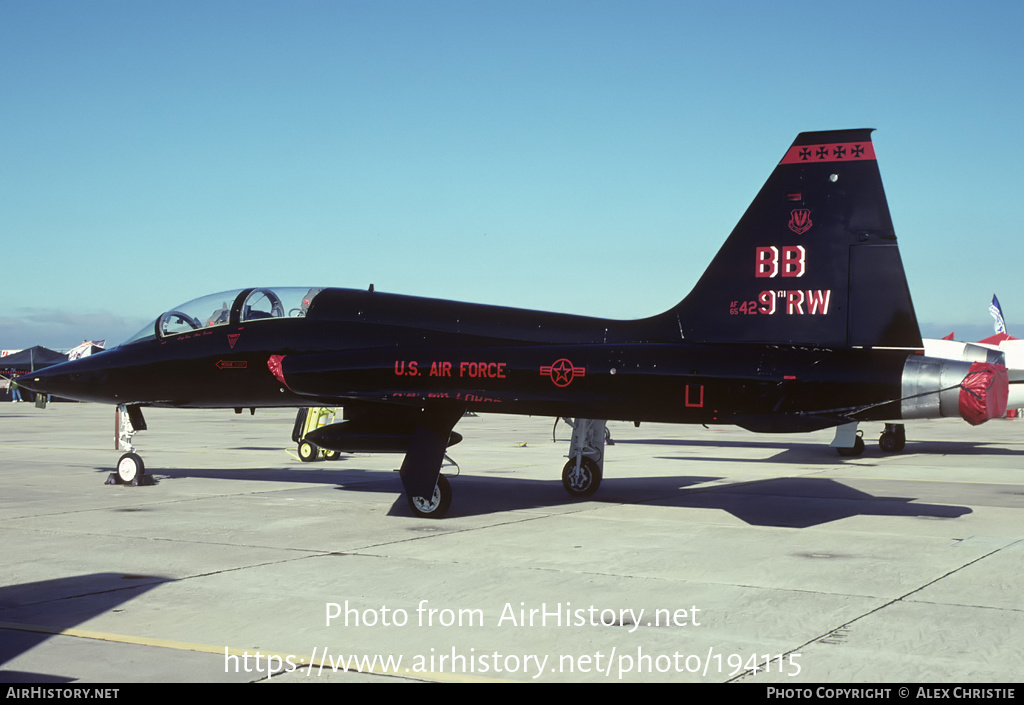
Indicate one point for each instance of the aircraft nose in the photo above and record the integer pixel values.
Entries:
(66, 380)
(86, 379)
(38, 381)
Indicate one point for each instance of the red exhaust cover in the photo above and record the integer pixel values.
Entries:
(983, 393)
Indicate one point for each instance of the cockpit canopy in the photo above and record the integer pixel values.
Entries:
(229, 307)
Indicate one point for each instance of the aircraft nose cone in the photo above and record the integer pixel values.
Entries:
(67, 379)
(37, 381)
(86, 379)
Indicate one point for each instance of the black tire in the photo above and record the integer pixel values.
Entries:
(129, 467)
(584, 482)
(435, 506)
(308, 452)
(891, 442)
(858, 448)
(300, 422)
(331, 454)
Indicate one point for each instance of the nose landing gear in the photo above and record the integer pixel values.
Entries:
(130, 470)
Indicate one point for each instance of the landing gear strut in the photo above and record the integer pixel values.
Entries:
(431, 434)
(582, 475)
(130, 469)
(849, 443)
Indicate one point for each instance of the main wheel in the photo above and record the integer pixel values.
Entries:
(584, 481)
(893, 438)
(858, 448)
(129, 467)
(436, 505)
(308, 451)
(891, 442)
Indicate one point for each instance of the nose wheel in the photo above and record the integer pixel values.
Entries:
(130, 469)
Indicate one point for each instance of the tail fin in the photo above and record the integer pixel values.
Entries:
(814, 259)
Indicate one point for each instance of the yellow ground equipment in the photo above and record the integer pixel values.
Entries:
(309, 419)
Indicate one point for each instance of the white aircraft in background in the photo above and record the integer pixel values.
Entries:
(998, 349)
(987, 350)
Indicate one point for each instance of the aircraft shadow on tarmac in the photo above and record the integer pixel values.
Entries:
(794, 502)
(802, 502)
(778, 502)
(31, 613)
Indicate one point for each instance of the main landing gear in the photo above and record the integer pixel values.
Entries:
(436, 505)
(893, 438)
(582, 475)
(849, 442)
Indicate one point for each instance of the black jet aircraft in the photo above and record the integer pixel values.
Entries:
(802, 321)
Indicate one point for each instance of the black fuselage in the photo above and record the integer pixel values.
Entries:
(357, 347)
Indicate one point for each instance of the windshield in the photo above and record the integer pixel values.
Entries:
(238, 306)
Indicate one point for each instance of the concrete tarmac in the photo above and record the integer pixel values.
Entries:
(707, 555)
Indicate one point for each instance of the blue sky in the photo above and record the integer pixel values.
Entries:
(586, 157)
